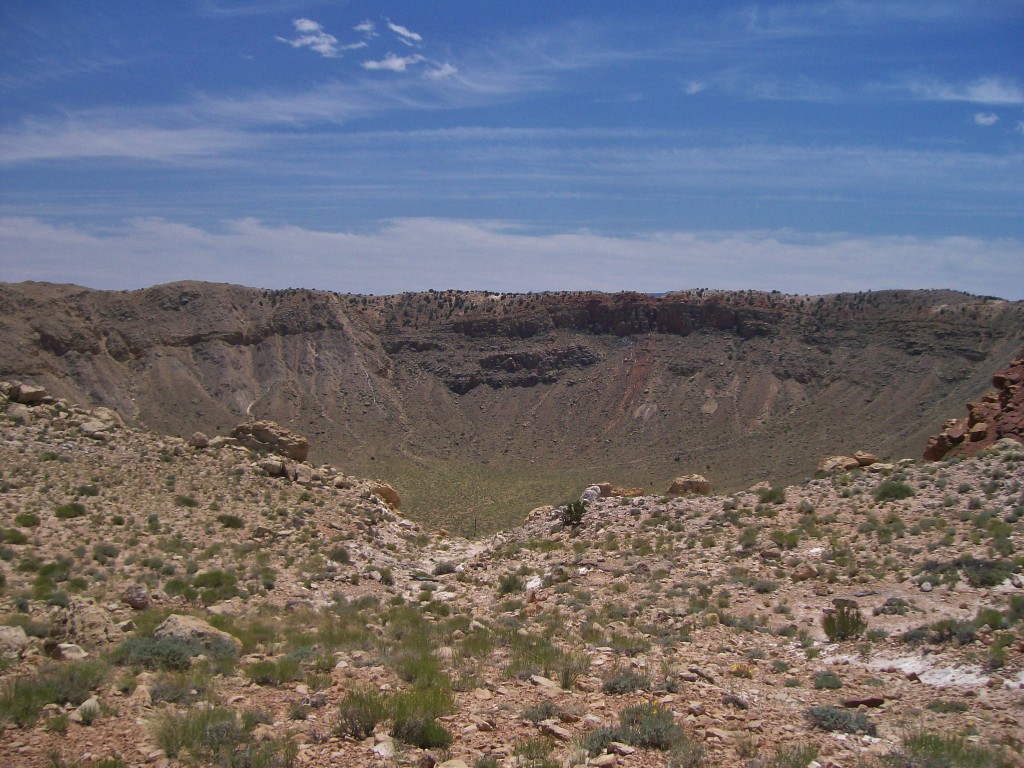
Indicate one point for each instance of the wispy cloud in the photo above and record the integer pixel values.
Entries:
(985, 90)
(693, 87)
(101, 139)
(314, 37)
(367, 28)
(405, 34)
(986, 118)
(500, 256)
(441, 71)
(393, 63)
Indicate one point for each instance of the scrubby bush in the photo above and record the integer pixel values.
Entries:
(833, 719)
(509, 583)
(828, 681)
(843, 621)
(26, 520)
(892, 490)
(274, 671)
(773, 495)
(155, 653)
(572, 513)
(927, 749)
(625, 681)
(69, 511)
(23, 698)
(650, 726)
(230, 521)
(360, 711)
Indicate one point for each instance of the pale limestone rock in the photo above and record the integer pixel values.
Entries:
(696, 484)
(191, 629)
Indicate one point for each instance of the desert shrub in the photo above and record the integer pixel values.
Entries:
(104, 552)
(230, 521)
(509, 583)
(215, 735)
(175, 587)
(360, 711)
(22, 699)
(339, 554)
(572, 513)
(185, 501)
(928, 749)
(793, 757)
(87, 490)
(26, 520)
(68, 511)
(414, 716)
(833, 719)
(535, 753)
(843, 621)
(827, 681)
(215, 586)
(545, 710)
(892, 490)
(274, 671)
(155, 653)
(773, 495)
(650, 726)
(571, 666)
(444, 568)
(13, 536)
(946, 706)
(625, 681)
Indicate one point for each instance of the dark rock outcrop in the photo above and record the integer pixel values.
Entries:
(273, 438)
(999, 414)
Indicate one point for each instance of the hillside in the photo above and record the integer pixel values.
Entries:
(163, 604)
(479, 407)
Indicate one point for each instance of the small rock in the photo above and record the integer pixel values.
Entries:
(70, 652)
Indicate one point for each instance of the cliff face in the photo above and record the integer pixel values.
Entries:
(997, 415)
(469, 399)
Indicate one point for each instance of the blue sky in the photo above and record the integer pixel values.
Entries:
(377, 147)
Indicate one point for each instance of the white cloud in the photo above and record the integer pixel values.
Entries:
(985, 90)
(315, 38)
(367, 28)
(441, 71)
(416, 254)
(103, 139)
(693, 87)
(392, 63)
(986, 118)
(406, 35)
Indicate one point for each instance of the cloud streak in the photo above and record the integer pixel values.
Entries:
(985, 90)
(416, 254)
(314, 37)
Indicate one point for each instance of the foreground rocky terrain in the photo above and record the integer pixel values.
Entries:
(209, 602)
(482, 406)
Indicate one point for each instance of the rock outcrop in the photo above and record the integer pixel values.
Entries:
(697, 484)
(998, 415)
(84, 622)
(189, 629)
(273, 438)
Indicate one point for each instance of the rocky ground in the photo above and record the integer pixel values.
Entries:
(676, 630)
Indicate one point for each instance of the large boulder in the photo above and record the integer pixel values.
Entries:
(13, 641)
(273, 438)
(386, 493)
(83, 622)
(832, 464)
(27, 394)
(685, 484)
(190, 629)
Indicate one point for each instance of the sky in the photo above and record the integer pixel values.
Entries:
(379, 147)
